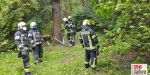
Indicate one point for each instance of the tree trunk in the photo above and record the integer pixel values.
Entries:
(56, 21)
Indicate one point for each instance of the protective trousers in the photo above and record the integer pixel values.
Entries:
(26, 63)
(38, 54)
(71, 37)
(90, 54)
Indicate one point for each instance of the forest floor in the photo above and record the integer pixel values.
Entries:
(66, 60)
(122, 62)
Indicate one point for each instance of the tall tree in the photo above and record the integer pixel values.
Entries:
(57, 21)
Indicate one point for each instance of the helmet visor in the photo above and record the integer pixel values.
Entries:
(23, 26)
(35, 27)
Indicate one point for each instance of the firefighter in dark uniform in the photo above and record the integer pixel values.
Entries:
(73, 27)
(21, 40)
(71, 31)
(36, 41)
(89, 42)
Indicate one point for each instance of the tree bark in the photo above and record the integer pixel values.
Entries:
(56, 21)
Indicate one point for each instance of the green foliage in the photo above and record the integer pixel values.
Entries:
(86, 12)
(139, 60)
(128, 25)
(15, 11)
(104, 9)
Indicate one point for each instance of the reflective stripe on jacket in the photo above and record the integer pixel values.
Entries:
(21, 39)
(88, 38)
(35, 36)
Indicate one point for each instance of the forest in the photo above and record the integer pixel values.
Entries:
(122, 26)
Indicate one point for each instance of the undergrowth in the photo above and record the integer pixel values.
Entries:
(59, 60)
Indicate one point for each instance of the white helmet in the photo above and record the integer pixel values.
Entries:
(22, 25)
(85, 22)
(32, 24)
(65, 19)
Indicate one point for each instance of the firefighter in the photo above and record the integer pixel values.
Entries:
(21, 40)
(71, 31)
(73, 27)
(89, 42)
(36, 41)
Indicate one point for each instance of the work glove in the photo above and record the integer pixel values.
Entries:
(23, 52)
(19, 54)
(33, 46)
(97, 51)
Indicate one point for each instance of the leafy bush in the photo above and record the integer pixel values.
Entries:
(15, 11)
(126, 25)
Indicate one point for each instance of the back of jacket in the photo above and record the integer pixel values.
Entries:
(34, 36)
(88, 38)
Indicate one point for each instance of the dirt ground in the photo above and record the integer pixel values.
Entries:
(124, 61)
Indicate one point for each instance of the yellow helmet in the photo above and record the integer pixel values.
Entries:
(32, 24)
(69, 18)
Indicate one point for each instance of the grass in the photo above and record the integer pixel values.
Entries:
(63, 60)
(58, 60)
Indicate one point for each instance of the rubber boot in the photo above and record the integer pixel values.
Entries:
(40, 60)
(27, 73)
(72, 43)
(93, 68)
(87, 65)
(69, 43)
(36, 63)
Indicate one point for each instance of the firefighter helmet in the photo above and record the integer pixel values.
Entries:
(33, 25)
(69, 18)
(86, 22)
(22, 25)
(65, 19)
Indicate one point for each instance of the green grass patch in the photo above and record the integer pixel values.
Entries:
(58, 60)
